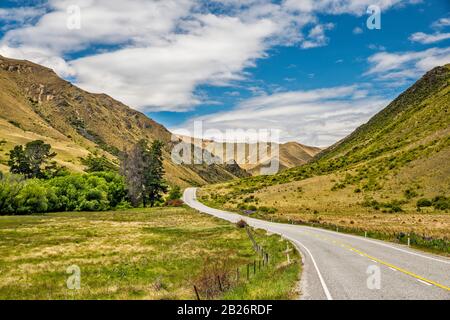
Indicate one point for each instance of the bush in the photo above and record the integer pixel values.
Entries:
(267, 210)
(78, 192)
(34, 197)
(423, 202)
(409, 194)
(441, 203)
(10, 187)
(174, 193)
(241, 224)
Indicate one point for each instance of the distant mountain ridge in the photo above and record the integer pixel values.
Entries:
(36, 103)
(290, 154)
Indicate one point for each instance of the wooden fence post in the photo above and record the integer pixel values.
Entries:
(196, 293)
(248, 271)
(220, 283)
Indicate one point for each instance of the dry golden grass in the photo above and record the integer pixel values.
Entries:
(134, 254)
(313, 201)
(68, 153)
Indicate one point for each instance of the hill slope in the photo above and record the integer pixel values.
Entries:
(36, 104)
(373, 179)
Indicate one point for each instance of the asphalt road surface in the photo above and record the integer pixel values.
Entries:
(342, 266)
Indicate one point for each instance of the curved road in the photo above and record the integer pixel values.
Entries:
(342, 266)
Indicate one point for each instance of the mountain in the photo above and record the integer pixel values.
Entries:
(36, 104)
(291, 154)
(390, 176)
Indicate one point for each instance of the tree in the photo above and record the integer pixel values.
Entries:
(174, 193)
(98, 164)
(143, 171)
(18, 162)
(155, 184)
(33, 161)
(132, 168)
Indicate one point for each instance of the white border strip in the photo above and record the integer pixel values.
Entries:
(322, 281)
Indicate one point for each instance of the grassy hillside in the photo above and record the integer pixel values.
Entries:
(390, 177)
(138, 254)
(35, 102)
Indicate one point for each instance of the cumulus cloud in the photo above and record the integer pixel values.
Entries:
(441, 23)
(356, 7)
(316, 36)
(357, 30)
(438, 35)
(316, 117)
(166, 74)
(153, 55)
(404, 66)
(425, 38)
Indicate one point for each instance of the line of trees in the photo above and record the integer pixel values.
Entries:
(37, 184)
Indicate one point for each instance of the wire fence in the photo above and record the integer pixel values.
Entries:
(220, 277)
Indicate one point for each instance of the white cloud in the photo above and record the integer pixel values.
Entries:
(316, 36)
(356, 7)
(401, 67)
(317, 117)
(153, 55)
(166, 74)
(20, 14)
(425, 38)
(441, 23)
(357, 30)
(157, 52)
(103, 22)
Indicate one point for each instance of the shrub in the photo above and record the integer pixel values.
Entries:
(78, 192)
(441, 203)
(241, 224)
(33, 197)
(409, 194)
(174, 193)
(242, 206)
(423, 202)
(267, 210)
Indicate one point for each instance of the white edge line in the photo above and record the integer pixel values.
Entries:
(393, 269)
(377, 242)
(428, 284)
(349, 236)
(322, 281)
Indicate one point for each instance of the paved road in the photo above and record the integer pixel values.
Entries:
(341, 266)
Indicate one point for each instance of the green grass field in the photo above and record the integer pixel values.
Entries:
(156, 253)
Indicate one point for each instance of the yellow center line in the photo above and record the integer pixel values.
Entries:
(403, 270)
(386, 263)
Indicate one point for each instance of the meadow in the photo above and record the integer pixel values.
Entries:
(158, 253)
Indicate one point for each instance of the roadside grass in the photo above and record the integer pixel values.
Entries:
(134, 254)
(389, 212)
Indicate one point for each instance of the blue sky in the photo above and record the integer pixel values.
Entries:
(311, 69)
